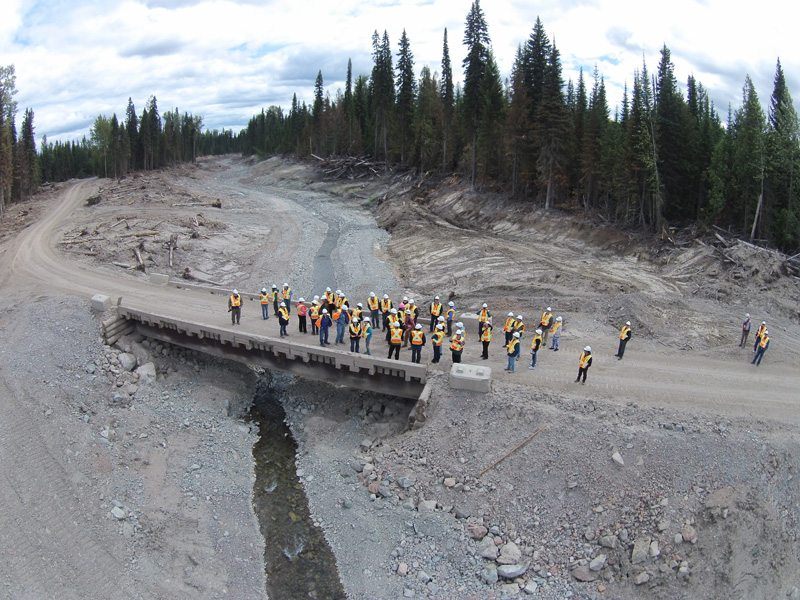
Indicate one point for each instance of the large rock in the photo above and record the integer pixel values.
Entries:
(487, 549)
(583, 573)
(689, 534)
(489, 575)
(147, 374)
(100, 302)
(511, 571)
(608, 541)
(477, 532)
(598, 563)
(127, 361)
(641, 550)
(509, 554)
(426, 506)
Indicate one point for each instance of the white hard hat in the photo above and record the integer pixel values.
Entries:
(459, 325)
(327, 289)
(519, 317)
(459, 332)
(766, 332)
(762, 322)
(372, 294)
(588, 348)
(316, 297)
(436, 297)
(440, 327)
(511, 314)
(264, 290)
(558, 318)
(405, 298)
(274, 287)
(747, 315)
(285, 285)
(539, 331)
(408, 311)
(393, 311)
(314, 302)
(628, 323)
(235, 292)
(549, 309)
(517, 334)
(451, 303)
(282, 304)
(485, 305)
(302, 300)
(355, 319)
(324, 311)
(338, 292)
(359, 305)
(411, 301)
(418, 326)
(441, 318)
(386, 296)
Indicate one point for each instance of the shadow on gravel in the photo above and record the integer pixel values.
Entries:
(298, 561)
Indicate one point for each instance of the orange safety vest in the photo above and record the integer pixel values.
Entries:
(302, 310)
(396, 336)
(509, 326)
(372, 302)
(236, 300)
(366, 329)
(764, 341)
(546, 316)
(264, 298)
(483, 316)
(486, 334)
(386, 304)
(457, 344)
(624, 332)
(286, 294)
(336, 314)
(314, 311)
(355, 329)
(436, 309)
(512, 345)
(437, 338)
(584, 359)
(416, 337)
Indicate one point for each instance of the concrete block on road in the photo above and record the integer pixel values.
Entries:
(159, 278)
(101, 302)
(471, 377)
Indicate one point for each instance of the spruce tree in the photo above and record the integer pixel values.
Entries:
(553, 127)
(518, 126)
(406, 95)
(476, 39)
(446, 93)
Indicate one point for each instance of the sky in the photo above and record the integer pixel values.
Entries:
(226, 59)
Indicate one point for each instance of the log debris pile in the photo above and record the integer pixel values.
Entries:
(350, 167)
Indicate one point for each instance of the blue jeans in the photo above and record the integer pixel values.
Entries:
(340, 332)
(533, 359)
(554, 344)
(354, 344)
(512, 361)
(265, 311)
(323, 336)
(759, 355)
(373, 317)
(367, 340)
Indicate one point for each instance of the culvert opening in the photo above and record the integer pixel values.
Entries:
(297, 559)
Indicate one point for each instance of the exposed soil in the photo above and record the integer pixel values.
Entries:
(708, 441)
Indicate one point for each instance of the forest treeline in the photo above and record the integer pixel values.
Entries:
(663, 158)
(115, 147)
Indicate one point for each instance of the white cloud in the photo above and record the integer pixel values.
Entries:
(225, 59)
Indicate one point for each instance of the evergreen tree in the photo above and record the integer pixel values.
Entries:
(552, 128)
(8, 112)
(132, 129)
(489, 147)
(476, 39)
(316, 114)
(446, 94)
(382, 91)
(519, 127)
(428, 123)
(406, 94)
(349, 108)
(27, 177)
(102, 141)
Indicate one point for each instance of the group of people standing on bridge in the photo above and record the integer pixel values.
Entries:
(402, 326)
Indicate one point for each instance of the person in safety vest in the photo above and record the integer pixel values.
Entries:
(275, 297)
(745, 330)
(763, 344)
(395, 338)
(374, 309)
(451, 315)
(436, 341)
(408, 325)
(302, 315)
(436, 311)
(414, 310)
(286, 297)
(392, 318)
(366, 333)
(327, 299)
(313, 313)
(513, 351)
(339, 299)
(624, 335)
(283, 318)
(556, 331)
(417, 342)
(341, 316)
(355, 334)
(759, 332)
(235, 307)
(545, 323)
(324, 323)
(263, 297)
(457, 346)
(386, 306)
(584, 362)
(536, 343)
(486, 339)
(508, 328)
(484, 316)
(519, 325)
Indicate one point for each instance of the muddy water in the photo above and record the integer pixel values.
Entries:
(298, 561)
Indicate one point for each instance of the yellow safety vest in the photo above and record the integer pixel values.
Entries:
(764, 341)
(366, 328)
(534, 340)
(437, 337)
(584, 359)
(314, 311)
(355, 329)
(512, 345)
(236, 300)
(416, 337)
(372, 302)
(264, 298)
(556, 326)
(339, 301)
(286, 294)
(274, 295)
(396, 336)
(393, 319)
(451, 314)
(457, 344)
(486, 334)
(436, 309)
(546, 316)
(483, 316)
(509, 326)
(624, 332)
(386, 304)
(284, 313)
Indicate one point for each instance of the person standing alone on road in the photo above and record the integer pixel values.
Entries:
(624, 336)
(235, 307)
(302, 315)
(763, 344)
(584, 362)
(263, 297)
(513, 352)
(745, 330)
(536, 343)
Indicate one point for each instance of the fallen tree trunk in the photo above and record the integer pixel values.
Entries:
(139, 260)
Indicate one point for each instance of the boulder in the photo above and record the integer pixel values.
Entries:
(147, 374)
(511, 571)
